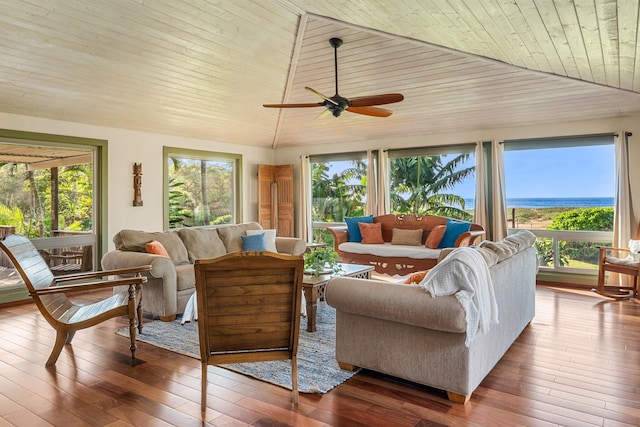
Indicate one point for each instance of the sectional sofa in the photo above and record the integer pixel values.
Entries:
(171, 281)
(404, 331)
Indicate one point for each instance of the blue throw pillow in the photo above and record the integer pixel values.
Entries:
(453, 231)
(354, 229)
(254, 242)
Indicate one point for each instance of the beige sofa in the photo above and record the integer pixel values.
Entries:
(171, 281)
(401, 330)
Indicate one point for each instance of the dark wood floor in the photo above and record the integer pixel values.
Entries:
(577, 364)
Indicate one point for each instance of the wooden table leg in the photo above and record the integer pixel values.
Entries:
(311, 295)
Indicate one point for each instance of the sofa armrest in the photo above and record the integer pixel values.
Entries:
(340, 235)
(469, 238)
(407, 304)
(290, 245)
(161, 267)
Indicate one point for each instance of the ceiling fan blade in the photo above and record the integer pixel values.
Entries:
(325, 113)
(326, 98)
(367, 101)
(318, 104)
(370, 111)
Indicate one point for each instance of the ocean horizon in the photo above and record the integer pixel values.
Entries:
(552, 202)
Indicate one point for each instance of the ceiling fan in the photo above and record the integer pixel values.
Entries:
(336, 104)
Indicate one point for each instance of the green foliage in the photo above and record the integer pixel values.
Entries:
(339, 196)
(180, 211)
(421, 185)
(594, 219)
(321, 258)
(544, 247)
(29, 193)
(200, 192)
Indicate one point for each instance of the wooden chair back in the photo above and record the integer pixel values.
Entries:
(249, 309)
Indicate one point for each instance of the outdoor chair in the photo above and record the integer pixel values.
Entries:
(622, 261)
(249, 310)
(65, 316)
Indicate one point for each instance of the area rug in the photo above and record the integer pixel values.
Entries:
(318, 370)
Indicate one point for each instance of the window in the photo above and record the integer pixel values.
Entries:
(562, 189)
(51, 194)
(338, 189)
(436, 180)
(202, 188)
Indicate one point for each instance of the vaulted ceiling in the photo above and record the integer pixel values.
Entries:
(203, 69)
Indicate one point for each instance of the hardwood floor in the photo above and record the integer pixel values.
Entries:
(577, 364)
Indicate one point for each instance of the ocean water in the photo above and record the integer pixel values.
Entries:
(534, 203)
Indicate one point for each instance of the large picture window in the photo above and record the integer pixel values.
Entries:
(562, 189)
(202, 188)
(51, 194)
(338, 189)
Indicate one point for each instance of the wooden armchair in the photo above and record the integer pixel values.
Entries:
(249, 310)
(66, 317)
(616, 260)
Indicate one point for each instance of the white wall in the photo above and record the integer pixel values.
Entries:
(127, 147)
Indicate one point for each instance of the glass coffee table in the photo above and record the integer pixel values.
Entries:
(314, 286)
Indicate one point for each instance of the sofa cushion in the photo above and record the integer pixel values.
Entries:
(389, 250)
(253, 243)
(371, 233)
(269, 238)
(453, 230)
(136, 241)
(353, 229)
(202, 243)
(185, 277)
(230, 235)
(407, 237)
(435, 236)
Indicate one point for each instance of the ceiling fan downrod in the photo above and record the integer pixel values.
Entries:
(335, 43)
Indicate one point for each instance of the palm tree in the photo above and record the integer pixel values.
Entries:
(340, 195)
(420, 185)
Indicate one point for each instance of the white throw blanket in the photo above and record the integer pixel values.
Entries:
(464, 273)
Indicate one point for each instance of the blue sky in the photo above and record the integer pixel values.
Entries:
(556, 173)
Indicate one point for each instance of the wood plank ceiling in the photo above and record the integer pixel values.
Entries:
(203, 69)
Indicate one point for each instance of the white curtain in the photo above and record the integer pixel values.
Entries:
(384, 200)
(305, 225)
(481, 213)
(499, 200)
(624, 221)
(372, 186)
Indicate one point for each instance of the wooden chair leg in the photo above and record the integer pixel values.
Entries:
(294, 379)
(61, 339)
(203, 397)
(70, 336)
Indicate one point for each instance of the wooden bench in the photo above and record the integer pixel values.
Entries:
(401, 265)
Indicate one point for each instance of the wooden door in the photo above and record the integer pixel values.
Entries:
(275, 198)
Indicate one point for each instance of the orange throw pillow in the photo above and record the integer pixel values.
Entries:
(416, 277)
(156, 248)
(435, 236)
(371, 233)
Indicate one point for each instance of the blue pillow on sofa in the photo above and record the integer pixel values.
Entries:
(354, 229)
(253, 242)
(453, 231)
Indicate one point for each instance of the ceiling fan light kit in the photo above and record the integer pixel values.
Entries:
(336, 104)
